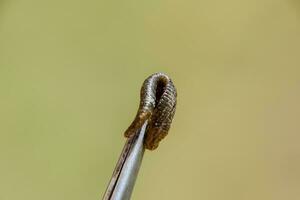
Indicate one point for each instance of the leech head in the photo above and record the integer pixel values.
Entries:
(157, 106)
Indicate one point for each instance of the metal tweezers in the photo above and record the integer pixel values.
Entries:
(125, 173)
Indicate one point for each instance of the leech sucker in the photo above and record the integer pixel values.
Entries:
(157, 106)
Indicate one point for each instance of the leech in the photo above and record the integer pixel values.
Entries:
(150, 126)
(157, 106)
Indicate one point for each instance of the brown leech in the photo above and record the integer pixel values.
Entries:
(157, 106)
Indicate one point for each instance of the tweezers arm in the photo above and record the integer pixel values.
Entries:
(127, 170)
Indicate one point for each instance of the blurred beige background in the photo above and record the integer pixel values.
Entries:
(70, 74)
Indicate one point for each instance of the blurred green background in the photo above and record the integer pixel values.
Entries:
(70, 74)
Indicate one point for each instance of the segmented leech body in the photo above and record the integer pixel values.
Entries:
(157, 106)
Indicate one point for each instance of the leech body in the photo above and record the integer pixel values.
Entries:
(150, 126)
(157, 106)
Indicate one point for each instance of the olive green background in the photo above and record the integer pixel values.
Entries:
(70, 74)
